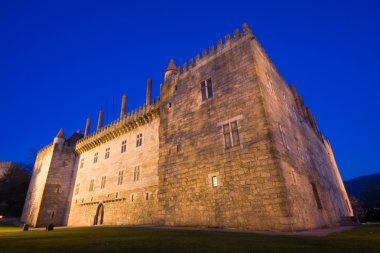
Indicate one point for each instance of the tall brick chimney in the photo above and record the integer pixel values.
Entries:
(100, 120)
(148, 91)
(87, 129)
(123, 105)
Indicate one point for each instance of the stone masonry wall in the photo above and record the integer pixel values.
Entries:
(250, 192)
(37, 186)
(301, 153)
(128, 202)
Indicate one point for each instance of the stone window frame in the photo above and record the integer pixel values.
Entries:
(81, 163)
(139, 140)
(206, 89)
(77, 187)
(179, 147)
(107, 153)
(137, 173)
(91, 187)
(103, 182)
(231, 133)
(210, 180)
(316, 195)
(58, 189)
(120, 177)
(123, 146)
(96, 154)
(214, 181)
(238, 120)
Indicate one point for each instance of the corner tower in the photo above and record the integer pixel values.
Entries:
(50, 185)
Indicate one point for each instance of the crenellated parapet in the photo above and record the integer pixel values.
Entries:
(305, 112)
(220, 46)
(134, 119)
(45, 149)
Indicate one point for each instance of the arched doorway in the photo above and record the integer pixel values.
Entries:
(98, 220)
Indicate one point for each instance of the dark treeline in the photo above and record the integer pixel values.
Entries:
(13, 189)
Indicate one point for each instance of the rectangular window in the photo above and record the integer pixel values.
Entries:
(231, 134)
(77, 189)
(235, 133)
(91, 188)
(206, 89)
(123, 146)
(120, 177)
(214, 181)
(136, 176)
(147, 196)
(284, 143)
(107, 155)
(139, 140)
(316, 195)
(81, 163)
(96, 157)
(103, 183)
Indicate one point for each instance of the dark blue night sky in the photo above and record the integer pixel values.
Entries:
(60, 61)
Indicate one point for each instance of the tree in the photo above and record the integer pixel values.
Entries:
(13, 189)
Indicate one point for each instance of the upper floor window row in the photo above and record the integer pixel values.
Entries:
(107, 153)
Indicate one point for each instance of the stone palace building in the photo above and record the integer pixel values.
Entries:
(228, 143)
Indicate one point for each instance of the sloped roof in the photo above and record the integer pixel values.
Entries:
(60, 134)
(171, 65)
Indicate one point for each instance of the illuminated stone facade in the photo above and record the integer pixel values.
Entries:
(227, 144)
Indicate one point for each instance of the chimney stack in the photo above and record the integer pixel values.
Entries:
(123, 105)
(148, 91)
(87, 129)
(100, 120)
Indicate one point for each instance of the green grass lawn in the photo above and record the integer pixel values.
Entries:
(8, 227)
(98, 239)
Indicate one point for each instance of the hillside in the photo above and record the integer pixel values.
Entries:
(366, 188)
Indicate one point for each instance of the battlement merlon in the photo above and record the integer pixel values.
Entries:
(140, 116)
(228, 41)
